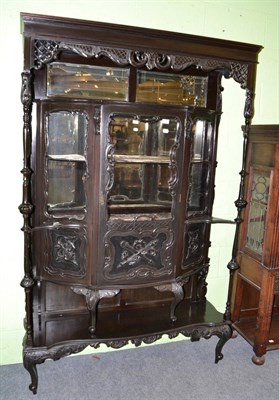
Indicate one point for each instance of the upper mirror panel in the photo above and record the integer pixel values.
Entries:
(86, 81)
(164, 88)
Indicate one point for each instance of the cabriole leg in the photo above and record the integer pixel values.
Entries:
(30, 366)
(226, 334)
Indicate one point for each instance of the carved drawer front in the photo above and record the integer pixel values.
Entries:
(64, 253)
(138, 250)
(194, 243)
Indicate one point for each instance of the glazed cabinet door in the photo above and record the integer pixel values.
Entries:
(198, 211)
(64, 192)
(145, 159)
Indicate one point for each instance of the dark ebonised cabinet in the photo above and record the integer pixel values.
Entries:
(118, 183)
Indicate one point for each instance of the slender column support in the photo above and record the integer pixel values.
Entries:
(240, 203)
(26, 208)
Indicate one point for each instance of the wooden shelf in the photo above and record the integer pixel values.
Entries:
(128, 322)
(247, 328)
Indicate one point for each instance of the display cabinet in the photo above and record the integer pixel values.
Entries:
(118, 183)
(255, 298)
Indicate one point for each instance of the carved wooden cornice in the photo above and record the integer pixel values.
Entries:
(46, 51)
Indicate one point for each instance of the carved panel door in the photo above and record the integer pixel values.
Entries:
(145, 159)
(65, 195)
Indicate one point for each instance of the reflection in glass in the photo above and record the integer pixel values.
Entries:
(66, 133)
(65, 187)
(147, 137)
(257, 212)
(201, 130)
(73, 80)
(199, 167)
(128, 183)
(164, 177)
(66, 161)
(140, 184)
(156, 87)
(198, 186)
(142, 169)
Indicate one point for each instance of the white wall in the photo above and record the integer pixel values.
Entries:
(247, 21)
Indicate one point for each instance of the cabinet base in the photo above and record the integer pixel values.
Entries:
(190, 323)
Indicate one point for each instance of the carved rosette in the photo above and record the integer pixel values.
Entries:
(46, 51)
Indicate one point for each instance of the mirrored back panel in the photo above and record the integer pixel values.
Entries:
(142, 167)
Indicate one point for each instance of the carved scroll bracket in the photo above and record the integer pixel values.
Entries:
(93, 296)
(177, 290)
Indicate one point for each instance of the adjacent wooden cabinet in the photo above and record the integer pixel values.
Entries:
(255, 298)
(118, 183)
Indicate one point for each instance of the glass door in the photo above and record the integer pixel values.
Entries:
(143, 150)
(63, 191)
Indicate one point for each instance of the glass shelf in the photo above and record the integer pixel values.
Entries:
(208, 219)
(67, 157)
(120, 158)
